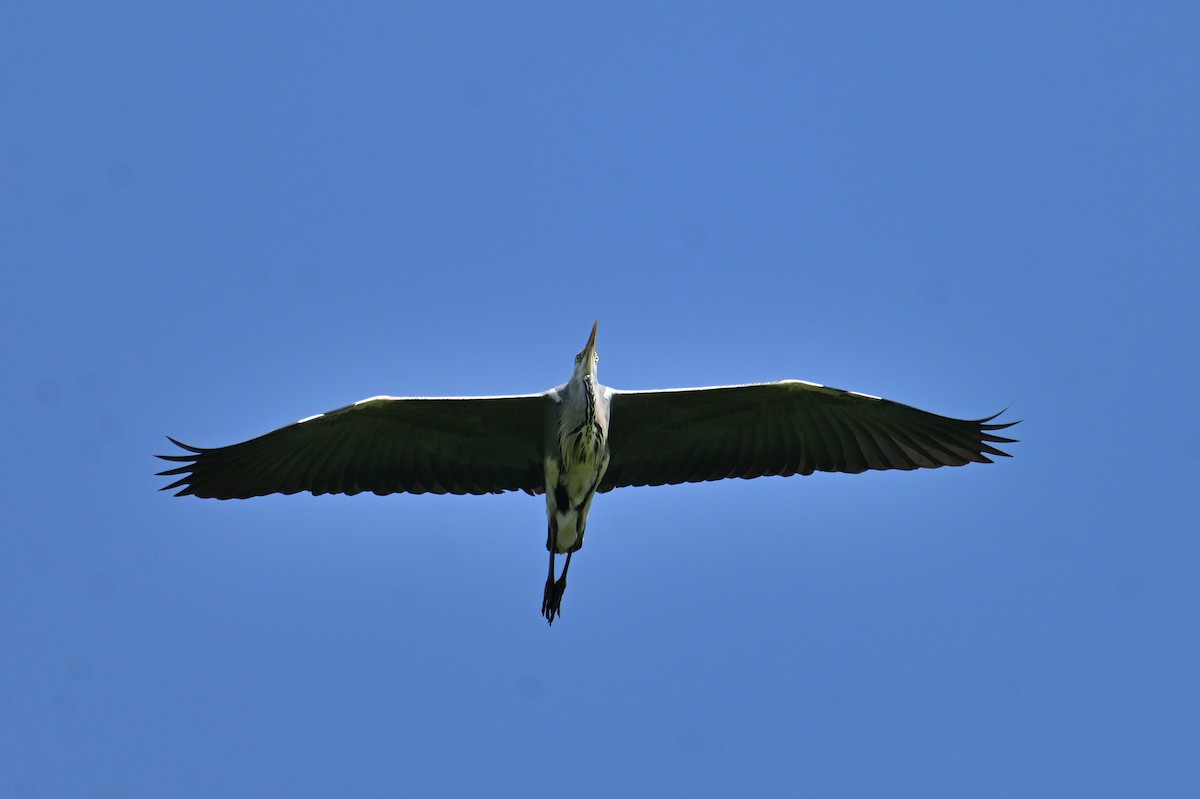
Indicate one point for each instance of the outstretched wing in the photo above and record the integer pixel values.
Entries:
(454, 445)
(784, 428)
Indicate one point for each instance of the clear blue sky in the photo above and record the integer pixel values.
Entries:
(216, 220)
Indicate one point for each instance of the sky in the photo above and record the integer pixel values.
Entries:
(218, 218)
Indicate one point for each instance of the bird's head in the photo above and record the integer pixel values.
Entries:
(586, 360)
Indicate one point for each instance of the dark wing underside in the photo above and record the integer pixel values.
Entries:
(468, 445)
(784, 428)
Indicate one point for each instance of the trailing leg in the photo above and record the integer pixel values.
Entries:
(552, 601)
(552, 596)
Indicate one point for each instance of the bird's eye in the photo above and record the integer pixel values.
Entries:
(579, 357)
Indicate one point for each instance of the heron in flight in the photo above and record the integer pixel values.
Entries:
(579, 439)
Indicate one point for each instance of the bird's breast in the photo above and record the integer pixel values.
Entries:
(584, 444)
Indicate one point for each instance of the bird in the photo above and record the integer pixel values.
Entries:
(579, 439)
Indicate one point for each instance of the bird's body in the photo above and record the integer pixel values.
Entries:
(576, 457)
(560, 443)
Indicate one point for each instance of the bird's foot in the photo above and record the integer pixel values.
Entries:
(552, 598)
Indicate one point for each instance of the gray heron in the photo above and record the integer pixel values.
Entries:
(579, 439)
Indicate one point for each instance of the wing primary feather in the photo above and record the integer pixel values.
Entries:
(814, 442)
(387, 467)
(917, 449)
(762, 459)
(292, 470)
(423, 470)
(181, 445)
(944, 444)
(853, 461)
(805, 463)
(789, 445)
(953, 438)
(729, 445)
(773, 430)
(456, 473)
(829, 440)
(318, 466)
(895, 455)
(362, 477)
(701, 463)
(873, 456)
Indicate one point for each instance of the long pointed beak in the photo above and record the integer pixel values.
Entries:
(591, 344)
